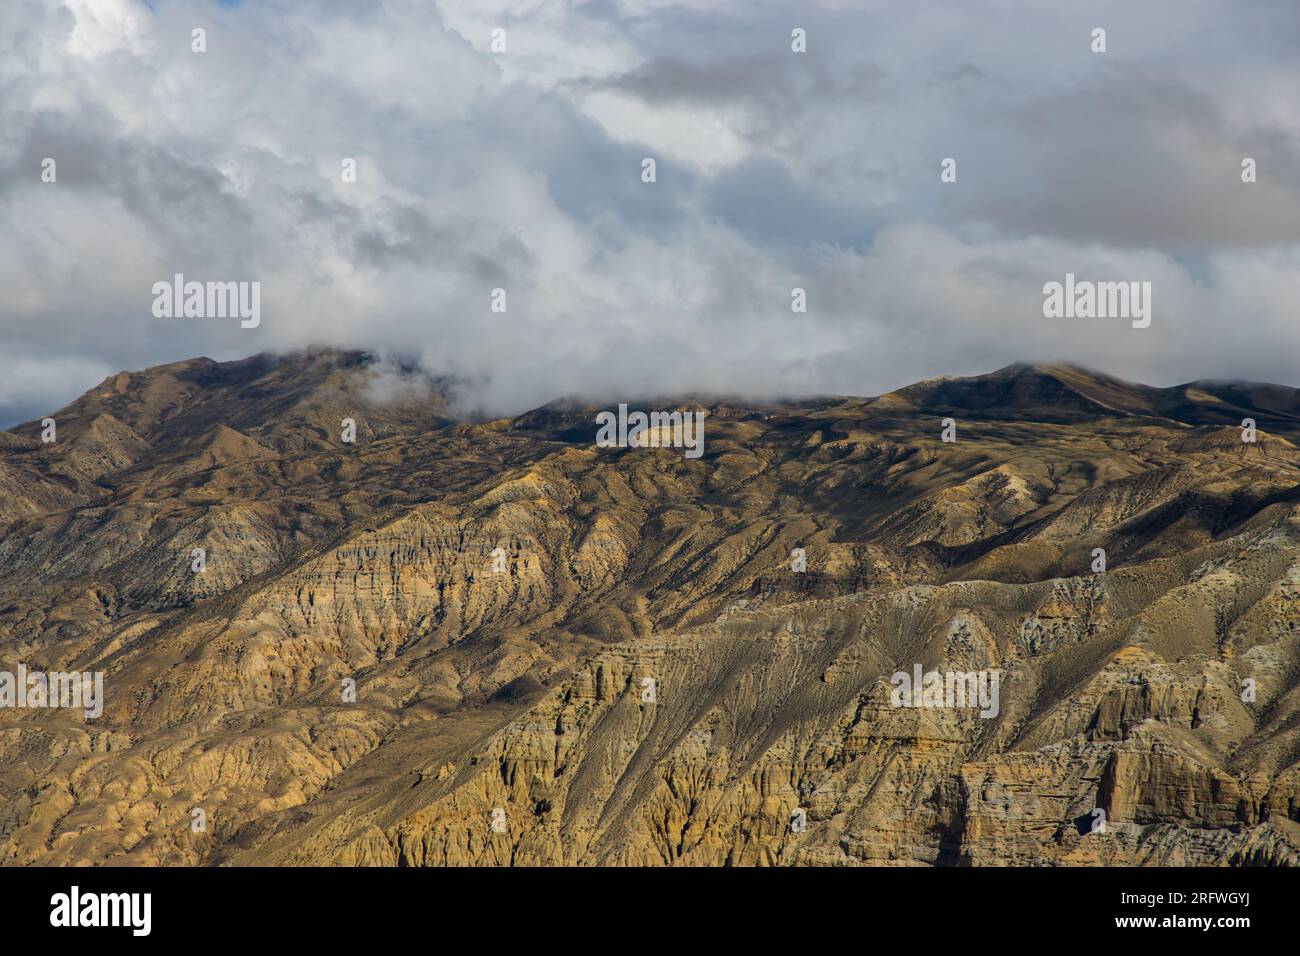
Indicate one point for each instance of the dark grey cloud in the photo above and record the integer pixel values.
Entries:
(1133, 158)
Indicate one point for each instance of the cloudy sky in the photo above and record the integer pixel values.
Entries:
(775, 169)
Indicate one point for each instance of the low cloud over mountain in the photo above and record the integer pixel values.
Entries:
(521, 170)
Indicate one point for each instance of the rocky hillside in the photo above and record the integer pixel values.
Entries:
(496, 643)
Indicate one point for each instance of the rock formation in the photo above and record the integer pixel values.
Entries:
(493, 643)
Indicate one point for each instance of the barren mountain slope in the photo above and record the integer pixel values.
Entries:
(504, 593)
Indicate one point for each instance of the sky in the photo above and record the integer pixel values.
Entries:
(522, 169)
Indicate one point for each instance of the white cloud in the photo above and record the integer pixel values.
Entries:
(523, 171)
(106, 26)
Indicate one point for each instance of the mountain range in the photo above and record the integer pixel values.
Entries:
(462, 641)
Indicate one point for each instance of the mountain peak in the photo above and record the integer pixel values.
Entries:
(1047, 392)
(293, 400)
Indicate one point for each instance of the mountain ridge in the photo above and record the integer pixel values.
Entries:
(268, 370)
(499, 592)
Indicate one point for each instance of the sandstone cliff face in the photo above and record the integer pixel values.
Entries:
(495, 644)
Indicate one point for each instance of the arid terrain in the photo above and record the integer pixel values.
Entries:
(500, 713)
